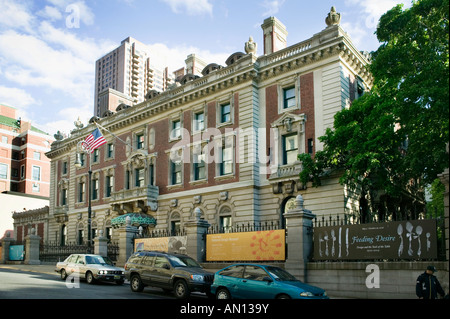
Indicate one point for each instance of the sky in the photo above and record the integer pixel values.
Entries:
(48, 48)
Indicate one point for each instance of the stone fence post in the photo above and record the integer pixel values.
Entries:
(101, 245)
(196, 230)
(32, 247)
(6, 242)
(299, 240)
(127, 234)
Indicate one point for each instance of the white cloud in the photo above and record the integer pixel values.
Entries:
(78, 8)
(272, 7)
(15, 97)
(15, 15)
(191, 7)
(174, 57)
(50, 13)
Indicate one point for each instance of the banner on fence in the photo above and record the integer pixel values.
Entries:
(248, 246)
(391, 240)
(174, 244)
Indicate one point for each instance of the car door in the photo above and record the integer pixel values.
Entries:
(161, 272)
(79, 268)
(253, 284)
(231, 279)
(146, 268)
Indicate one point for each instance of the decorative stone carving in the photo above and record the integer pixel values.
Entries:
(197, 199)
(333, 18)
(223, 195)
(58, 136)
(78, 124)
(251, 46)
(174, 203)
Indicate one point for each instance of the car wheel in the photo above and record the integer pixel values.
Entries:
(223, 293)
(90, 278)
(181, 289)
(63, 274)
(136, 283)
(283, 296)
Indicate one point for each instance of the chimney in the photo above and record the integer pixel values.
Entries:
(275, 35)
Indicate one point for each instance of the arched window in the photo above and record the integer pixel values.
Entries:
(225, 219)
(175, 223)
(287, 204)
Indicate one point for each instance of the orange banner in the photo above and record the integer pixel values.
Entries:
(252, 246)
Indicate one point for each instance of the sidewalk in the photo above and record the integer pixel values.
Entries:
(43, 269)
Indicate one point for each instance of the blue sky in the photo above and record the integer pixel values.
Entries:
(48, 48)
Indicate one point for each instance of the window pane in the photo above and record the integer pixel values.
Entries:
(226, 113)
(289, 97)
(36, 173)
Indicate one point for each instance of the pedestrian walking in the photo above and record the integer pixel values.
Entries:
(428, 286)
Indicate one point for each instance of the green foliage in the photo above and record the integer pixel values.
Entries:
(394, 138)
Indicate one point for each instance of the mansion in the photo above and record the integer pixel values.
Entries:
(225, 141)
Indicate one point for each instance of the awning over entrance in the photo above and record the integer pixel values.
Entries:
(136, 219)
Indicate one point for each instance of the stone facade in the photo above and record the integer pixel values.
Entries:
(246, 122)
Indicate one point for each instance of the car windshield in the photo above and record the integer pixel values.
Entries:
(280, 274)
(99, 260)
(183, 261)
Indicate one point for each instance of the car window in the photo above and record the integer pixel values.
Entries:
(148, 260)
(160, 261)
(98, 260)
(233, 271)
(183, 261)
(71, 259)
(254, 273)
(80, 260)
(280, 274)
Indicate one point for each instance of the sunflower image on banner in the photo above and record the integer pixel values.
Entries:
(250, 246)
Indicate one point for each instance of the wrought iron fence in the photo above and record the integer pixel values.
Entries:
(113, 251)
(54, 252)
(245, 227)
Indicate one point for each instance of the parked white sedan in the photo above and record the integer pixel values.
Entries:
(90, 267)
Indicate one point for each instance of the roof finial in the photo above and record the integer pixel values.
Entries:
(333, 18)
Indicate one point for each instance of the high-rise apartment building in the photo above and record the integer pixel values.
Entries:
(125, 75)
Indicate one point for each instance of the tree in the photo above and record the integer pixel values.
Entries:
(392, 141)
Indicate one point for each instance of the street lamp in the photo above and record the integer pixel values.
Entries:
(83, 147)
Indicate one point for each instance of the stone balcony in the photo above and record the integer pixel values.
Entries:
(286, 178)
(137, 199)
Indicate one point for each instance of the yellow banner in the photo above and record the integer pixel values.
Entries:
(252, 246)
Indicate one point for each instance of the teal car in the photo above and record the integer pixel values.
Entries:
(255, 281)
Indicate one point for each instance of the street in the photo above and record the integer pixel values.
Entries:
(16, 284)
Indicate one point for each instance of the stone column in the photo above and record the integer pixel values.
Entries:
(101, 245)
(127, 234)
(6, 242)
(32, 246)
(299, 240)
(196, 230)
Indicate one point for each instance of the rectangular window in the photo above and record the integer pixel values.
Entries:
(139, 141)
(199, 167)
(151, 172)
(225, 113)
(22, 171)
(110, 150)
(63, 197)
(3, 171)
(139, 175)
(289, 97)
(127, 180)
(176, 169)
(290, 149)
(226, 165)
(95, 189)
(109, 185)
(225, 223)
(81, 191)
(36, 173)
(310, 146)
(64, 168)
(176, 129)
(199, 121)
(36, 155)
(95, 155)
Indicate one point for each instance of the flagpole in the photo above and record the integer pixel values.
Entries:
(115, 136)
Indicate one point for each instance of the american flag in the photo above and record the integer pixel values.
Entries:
(95, 140)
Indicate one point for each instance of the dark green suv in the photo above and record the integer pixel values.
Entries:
(171, 272)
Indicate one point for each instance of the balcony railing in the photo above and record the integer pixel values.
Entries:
(146, 194)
